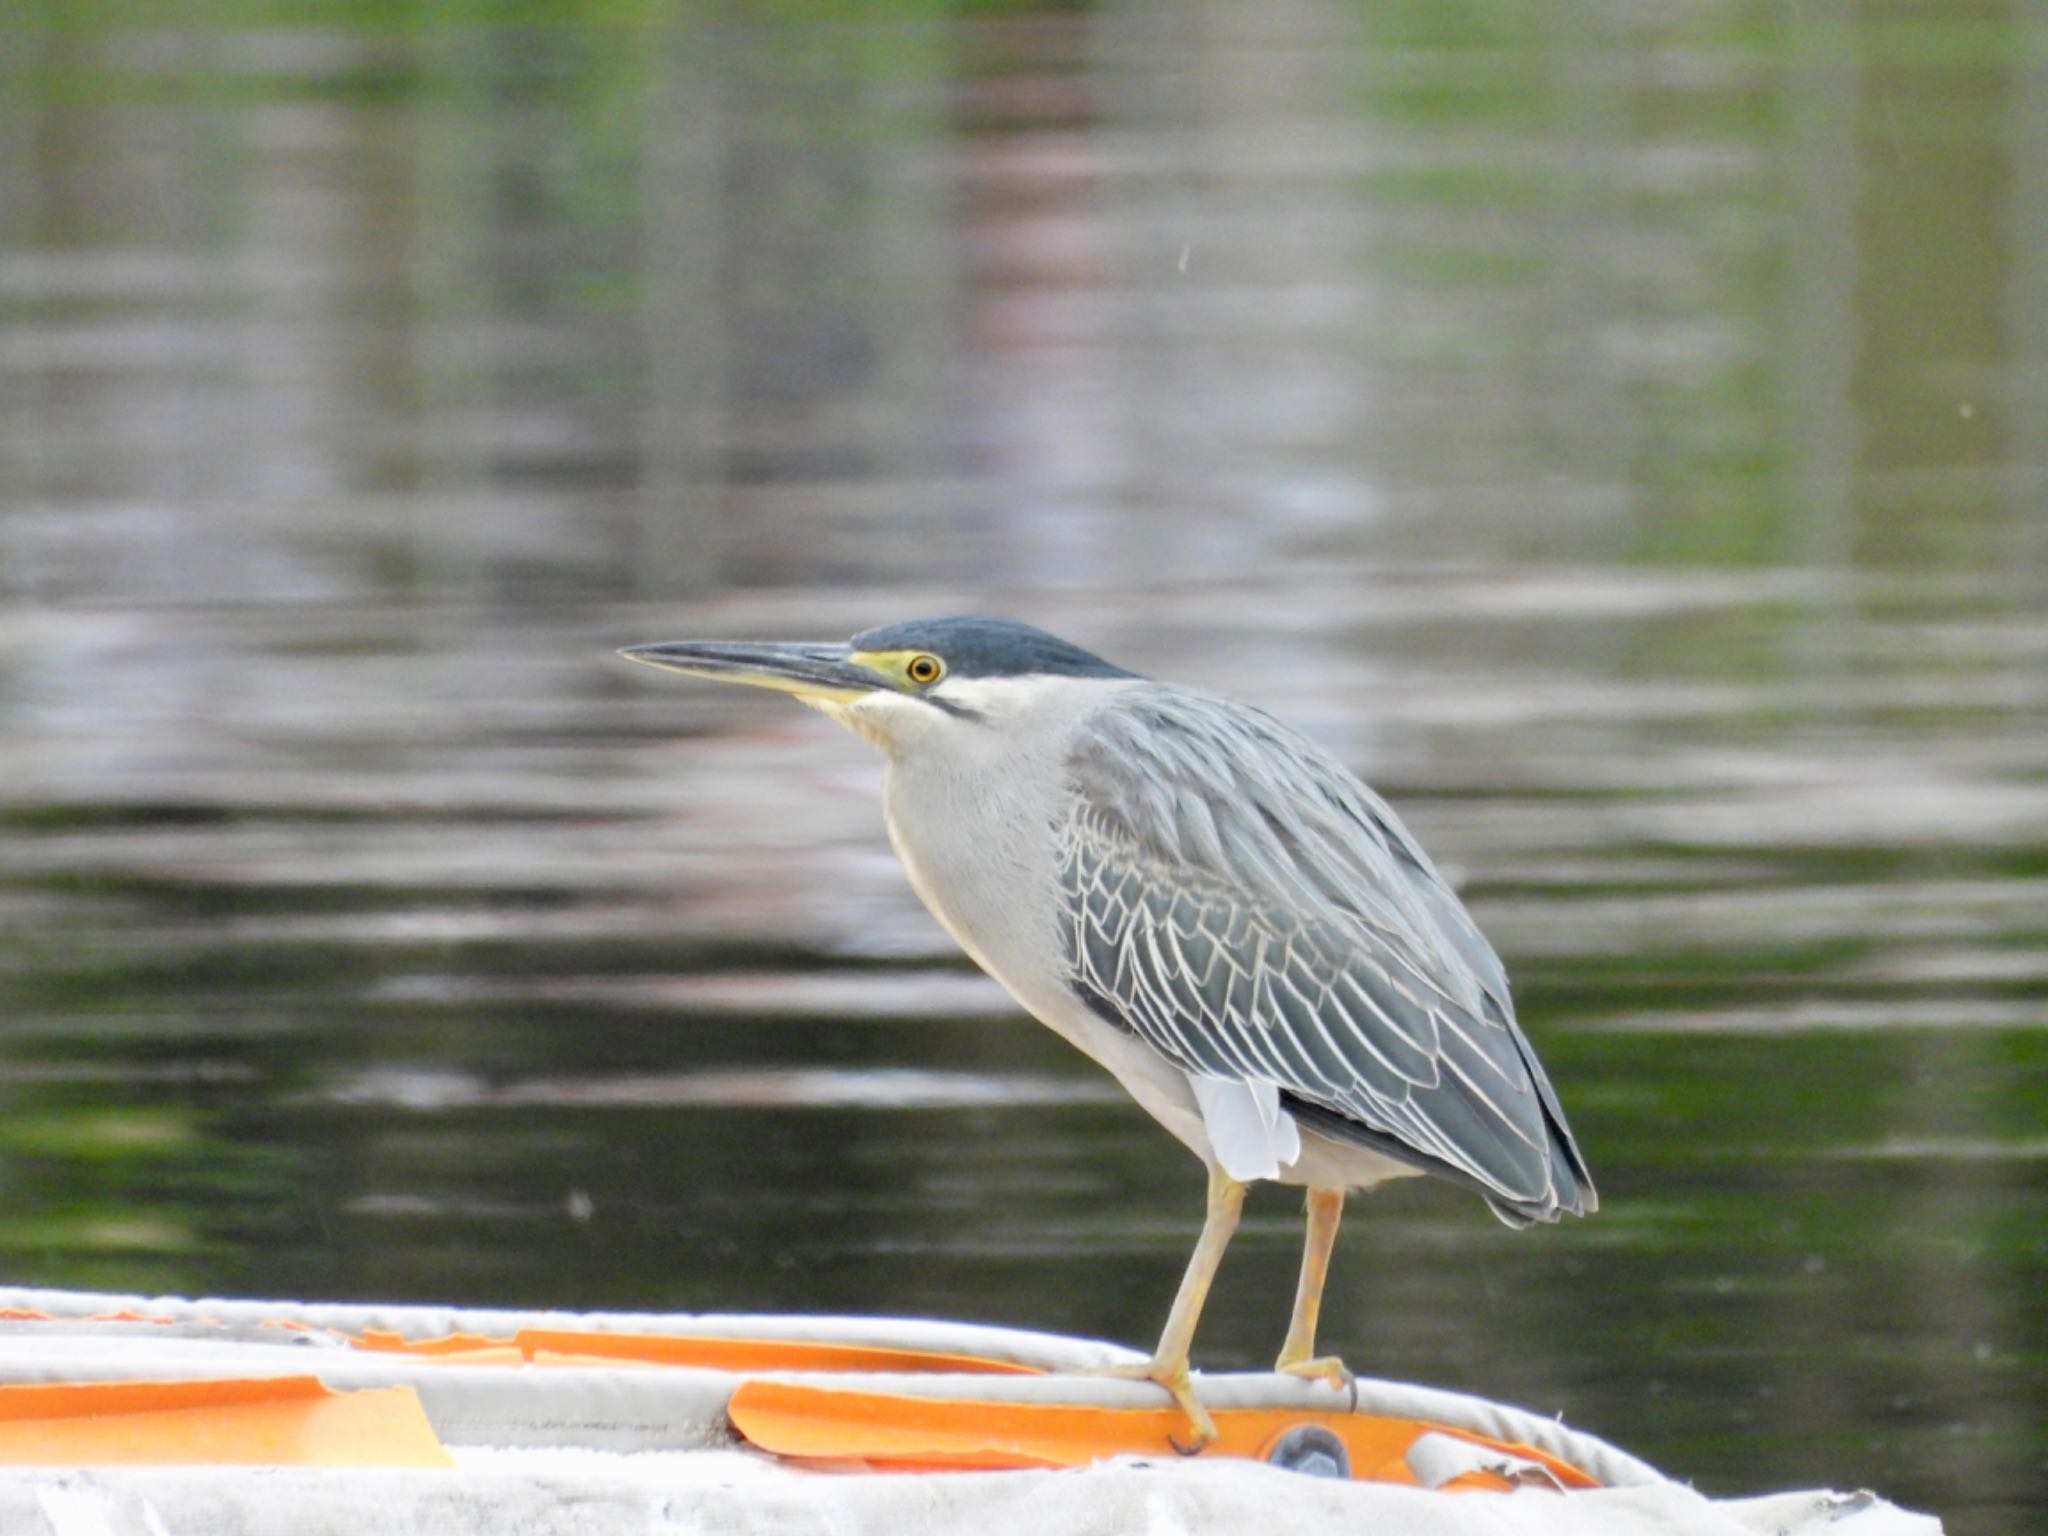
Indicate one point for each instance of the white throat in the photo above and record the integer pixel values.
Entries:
(962, 710)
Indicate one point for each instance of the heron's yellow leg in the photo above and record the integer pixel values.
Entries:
(1169, 1363)
(1298, 1355)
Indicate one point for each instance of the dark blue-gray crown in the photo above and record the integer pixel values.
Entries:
(973, 646)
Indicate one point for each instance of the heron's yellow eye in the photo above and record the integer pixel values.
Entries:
(923, 670)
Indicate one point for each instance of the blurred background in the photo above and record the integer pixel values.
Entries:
(1620, 430)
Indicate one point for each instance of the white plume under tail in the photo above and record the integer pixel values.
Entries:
(1254, 1138)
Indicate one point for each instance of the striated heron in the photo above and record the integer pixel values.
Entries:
(1214, 909)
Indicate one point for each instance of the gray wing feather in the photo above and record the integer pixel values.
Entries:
(1244, 905)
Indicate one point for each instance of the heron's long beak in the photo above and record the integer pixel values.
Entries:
(808, 671)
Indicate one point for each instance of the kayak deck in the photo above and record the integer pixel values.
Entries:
(496, 1408)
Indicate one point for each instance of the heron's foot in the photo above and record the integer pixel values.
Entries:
(1172, 1375)
(1319, 1368)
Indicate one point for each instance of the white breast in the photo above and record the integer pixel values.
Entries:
(973, 820)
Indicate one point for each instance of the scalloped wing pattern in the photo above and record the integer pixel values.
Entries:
(1246, 907)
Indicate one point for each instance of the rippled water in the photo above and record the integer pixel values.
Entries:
(1624, 443)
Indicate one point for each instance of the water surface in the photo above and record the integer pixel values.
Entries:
(1624, 444)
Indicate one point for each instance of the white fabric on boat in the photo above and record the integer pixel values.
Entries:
(1436, 1459)
(583, 1493)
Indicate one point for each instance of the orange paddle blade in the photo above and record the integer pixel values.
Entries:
(906, 1432)
(260, 1421)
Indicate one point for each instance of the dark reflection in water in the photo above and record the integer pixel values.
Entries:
(1625, 446)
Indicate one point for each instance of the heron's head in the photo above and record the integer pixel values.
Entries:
(895, 684)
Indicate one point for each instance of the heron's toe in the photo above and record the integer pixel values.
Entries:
(1180, 1385)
